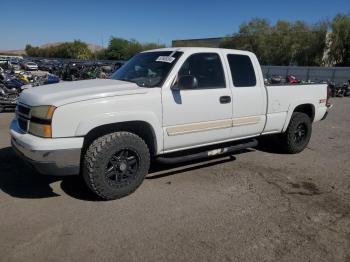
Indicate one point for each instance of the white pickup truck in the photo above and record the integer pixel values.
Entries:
(166, 104)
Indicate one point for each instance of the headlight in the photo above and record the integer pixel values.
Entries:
(40, 121)
(43, 112)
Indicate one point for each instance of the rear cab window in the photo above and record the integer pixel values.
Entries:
(242, 70)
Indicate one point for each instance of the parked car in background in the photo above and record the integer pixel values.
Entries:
(8, 98)
(167, 104)
(15, 66)
(30, 66)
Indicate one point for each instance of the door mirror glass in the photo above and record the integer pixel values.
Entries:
(186, 82)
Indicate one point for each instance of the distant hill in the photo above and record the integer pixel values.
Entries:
(12, 52)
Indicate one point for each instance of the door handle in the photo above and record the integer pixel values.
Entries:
(225, 99)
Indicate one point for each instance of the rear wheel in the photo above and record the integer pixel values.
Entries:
(116, 164)
(298, 134)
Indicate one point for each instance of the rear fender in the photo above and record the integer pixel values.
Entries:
(292, 108)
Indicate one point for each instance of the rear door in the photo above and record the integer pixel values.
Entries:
(248, 94)
(198, 116)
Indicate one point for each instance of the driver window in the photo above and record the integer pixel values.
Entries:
(207, 68)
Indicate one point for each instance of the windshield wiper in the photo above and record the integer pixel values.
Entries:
(136, 82)
(125, 80)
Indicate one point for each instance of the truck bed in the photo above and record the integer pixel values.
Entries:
(284, 98)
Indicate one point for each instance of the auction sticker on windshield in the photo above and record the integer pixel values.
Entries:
(165, 59)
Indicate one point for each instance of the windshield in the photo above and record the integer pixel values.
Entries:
(148, 69)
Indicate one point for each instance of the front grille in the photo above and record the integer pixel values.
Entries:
(23, 110)
(23, 124)
(23, 116)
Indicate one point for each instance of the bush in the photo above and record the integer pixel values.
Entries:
(118, 49)
(75, 50)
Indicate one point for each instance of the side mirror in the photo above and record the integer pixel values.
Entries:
(186, 82)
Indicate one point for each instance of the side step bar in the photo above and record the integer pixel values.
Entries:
(207, 153)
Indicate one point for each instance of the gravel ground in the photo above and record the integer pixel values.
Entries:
(254, 206)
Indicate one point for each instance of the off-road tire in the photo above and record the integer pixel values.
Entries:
(98, 155)
(288, 139)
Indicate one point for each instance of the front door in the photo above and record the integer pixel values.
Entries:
(202, 115)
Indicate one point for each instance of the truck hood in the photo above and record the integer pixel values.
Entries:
(70, 92)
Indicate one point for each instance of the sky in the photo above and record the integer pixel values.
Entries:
(160, 21)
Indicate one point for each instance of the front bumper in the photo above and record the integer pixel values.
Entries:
(56, 156)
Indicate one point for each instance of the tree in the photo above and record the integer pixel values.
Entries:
(116, 48)
(122, 49)
(339, 49)
(133, 47)
(149, 46)
(78, 50)
(284, 43)
(252, 36)
(278, 44)
(31, 51)
(309, 43)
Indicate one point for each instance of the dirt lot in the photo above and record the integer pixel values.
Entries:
(255, 206)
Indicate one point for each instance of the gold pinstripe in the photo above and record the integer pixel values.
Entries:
(212, 125)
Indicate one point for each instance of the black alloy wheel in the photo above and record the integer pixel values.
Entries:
(122, 167)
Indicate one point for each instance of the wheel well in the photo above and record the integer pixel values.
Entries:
(140, 128)
(308, 109)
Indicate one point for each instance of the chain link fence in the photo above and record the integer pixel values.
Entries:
(337, 75)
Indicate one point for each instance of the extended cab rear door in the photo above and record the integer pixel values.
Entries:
(194, 117)
(249, 98)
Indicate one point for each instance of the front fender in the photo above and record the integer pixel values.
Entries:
(87, 125)
(77, 119)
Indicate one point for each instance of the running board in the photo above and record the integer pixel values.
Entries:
(208, 153)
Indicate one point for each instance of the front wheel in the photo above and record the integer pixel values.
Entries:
(116, 164)
(298, 134)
